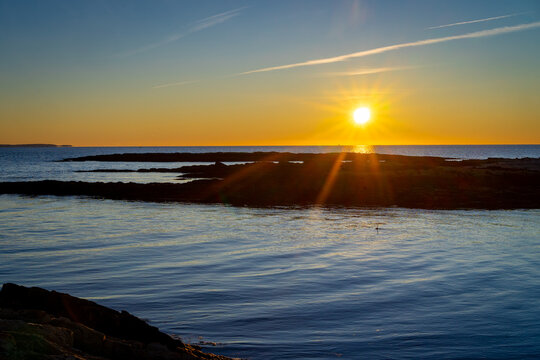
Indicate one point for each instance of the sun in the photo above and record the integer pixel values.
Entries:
(361, 115)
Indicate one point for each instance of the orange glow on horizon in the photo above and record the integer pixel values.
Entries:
(322, 116)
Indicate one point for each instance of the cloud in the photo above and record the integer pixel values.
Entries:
(380, 50)
(474, 21)
(175, 84)
(214, 20)
(369, 71)
(197, 26)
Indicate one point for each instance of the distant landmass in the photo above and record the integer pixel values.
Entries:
(33, 145)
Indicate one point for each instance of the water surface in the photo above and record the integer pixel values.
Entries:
(300, 283)
(284, 283)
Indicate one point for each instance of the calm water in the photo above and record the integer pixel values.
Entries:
(285, 283)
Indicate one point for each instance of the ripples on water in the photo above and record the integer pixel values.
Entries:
(305, 283)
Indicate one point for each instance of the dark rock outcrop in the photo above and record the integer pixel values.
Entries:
(216, 157)
(40, 324)
(344, 179)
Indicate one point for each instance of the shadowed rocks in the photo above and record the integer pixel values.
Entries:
(39, 324)
(344, 179)
(247, 157)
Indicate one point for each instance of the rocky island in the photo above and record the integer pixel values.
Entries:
(333, 179)
(40, 324)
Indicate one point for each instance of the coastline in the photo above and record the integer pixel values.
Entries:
(32, 145)
(333, 179)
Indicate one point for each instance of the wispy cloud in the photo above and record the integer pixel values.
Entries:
(195, 27)
(380, 50)
(369, 71)
(475, 21)
(214, 20)
(175, 84)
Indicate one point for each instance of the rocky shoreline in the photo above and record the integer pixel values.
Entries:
(338, 179)
(39, 324)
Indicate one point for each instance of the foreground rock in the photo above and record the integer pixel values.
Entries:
(40, 324)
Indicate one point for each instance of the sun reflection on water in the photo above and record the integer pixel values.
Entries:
(363, 149)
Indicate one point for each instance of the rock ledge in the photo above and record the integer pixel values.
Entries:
(40, 324)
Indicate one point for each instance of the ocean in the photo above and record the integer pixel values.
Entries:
(284, 283)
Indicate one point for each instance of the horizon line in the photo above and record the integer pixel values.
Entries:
(312, 145)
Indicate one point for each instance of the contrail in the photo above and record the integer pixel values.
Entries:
(369, 71)
(197, 26)
(472, 35)
(474, 21)
(175, 84)
(215, 19)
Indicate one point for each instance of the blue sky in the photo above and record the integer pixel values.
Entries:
(117, 58)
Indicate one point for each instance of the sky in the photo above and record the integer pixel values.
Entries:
(238, 72)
